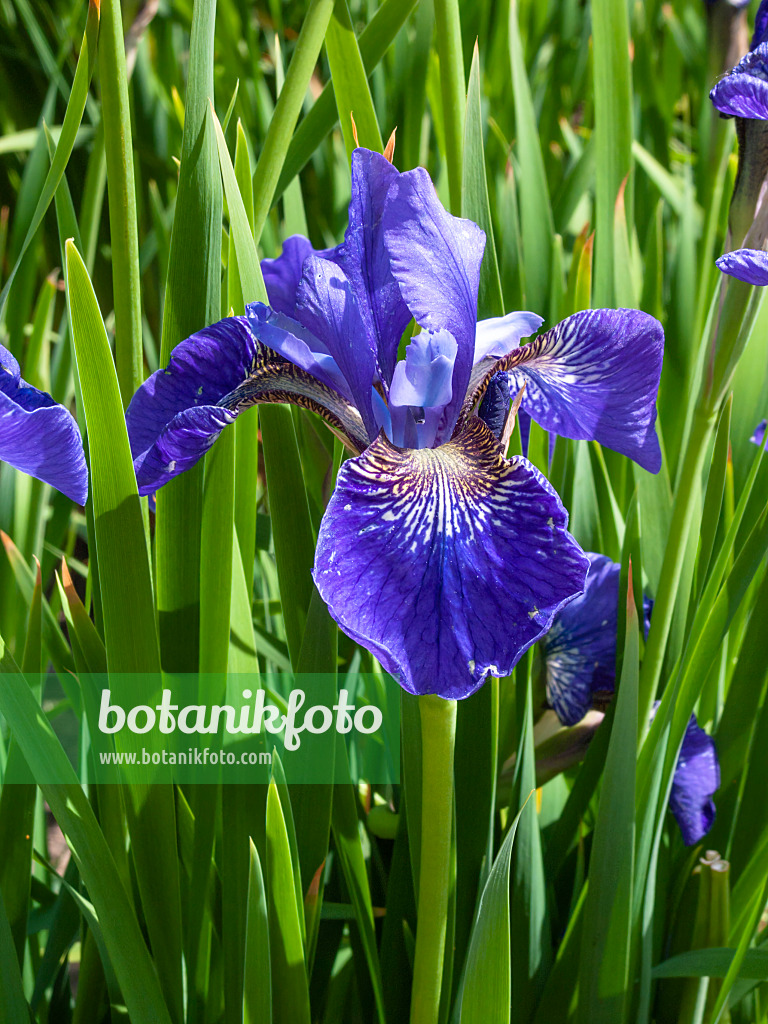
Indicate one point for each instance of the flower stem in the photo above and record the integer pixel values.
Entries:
(438, 731)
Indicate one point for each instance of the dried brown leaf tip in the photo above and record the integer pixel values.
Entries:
(354, 128)
(389, 149)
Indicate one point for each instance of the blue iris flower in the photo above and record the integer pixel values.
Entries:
(39, 436)
(432, 540)
(748, 265)
(580, 665)
(759, 435)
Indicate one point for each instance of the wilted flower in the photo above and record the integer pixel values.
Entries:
(431, 539)
(580, 664)
(39, 436)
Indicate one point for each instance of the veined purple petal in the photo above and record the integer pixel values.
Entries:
(38, 436)
(748, 265)
(580, 648)
(436, 259)
(366, 260)
(326, 306)
(500, 335)
(744, 92)
(596, 377)
(759, 435)
(282, 275)
(177, 414)
(446, 563)
(696, 779)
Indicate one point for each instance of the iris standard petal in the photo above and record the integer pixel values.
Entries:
(177, 414)
(695, 780)
(365, 259)
(282, 275)
(423, 556)
(595, 377)
(748, 265)
(499, 336)
(38, 436)
(759, 435)
(580, 648)
(744, 92)
(436, 259)
(326, 305)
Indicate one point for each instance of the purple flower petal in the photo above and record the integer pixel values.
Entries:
(744, 92)
(326, 305)
(696, 779)
(748, 265)
(759, 435)
(282, 275)
(446, 563)
(421, 389)
(365, 258)
(177, 414)
(761, 23)
(596, 377)
(580, 648)
(38, 436)
(436, 261)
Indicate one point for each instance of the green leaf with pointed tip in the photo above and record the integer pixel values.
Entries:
(290, 989)
(486, 995)
(474, 196)
(127, 600)
(257, 1002)
(350, 82)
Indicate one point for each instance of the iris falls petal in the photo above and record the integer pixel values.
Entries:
(422, 555)
(177, 414)
(595, 376)
(38, 435)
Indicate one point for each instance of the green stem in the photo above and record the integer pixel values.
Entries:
(438, 730)
(123, 227)
(671, 570)
(449, 50)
